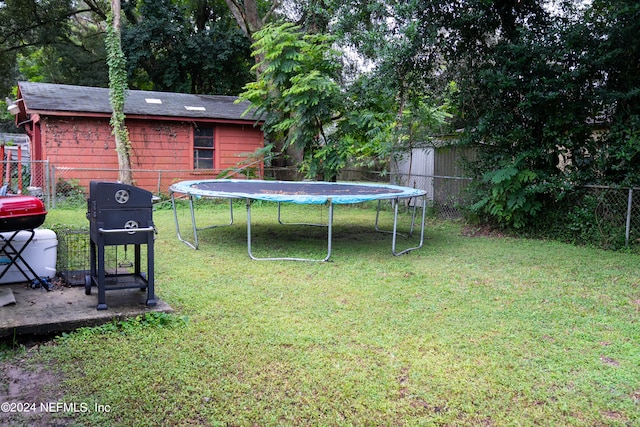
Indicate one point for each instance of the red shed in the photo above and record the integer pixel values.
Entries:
(181, 135)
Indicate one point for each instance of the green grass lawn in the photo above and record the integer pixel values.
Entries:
(465, 331)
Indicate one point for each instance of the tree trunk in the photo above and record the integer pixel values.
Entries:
(248, 18)
(117, 90)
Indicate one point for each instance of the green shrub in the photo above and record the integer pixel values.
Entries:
(70, 194)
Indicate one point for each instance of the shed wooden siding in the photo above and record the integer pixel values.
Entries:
(233, 143)
(160, 145)
(87, 143)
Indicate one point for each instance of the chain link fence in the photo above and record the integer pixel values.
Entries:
(600, 215)
(605, 216)
(31, 177)
(71, 184)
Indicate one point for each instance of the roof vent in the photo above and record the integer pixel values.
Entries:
(189, 108)
(153, 100)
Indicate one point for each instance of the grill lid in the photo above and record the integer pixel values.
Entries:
(114, 195)
(116, 211)
(21, 212)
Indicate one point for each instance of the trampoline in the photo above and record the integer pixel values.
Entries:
(299, 192)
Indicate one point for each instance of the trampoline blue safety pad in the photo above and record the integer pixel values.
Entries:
(300, 192)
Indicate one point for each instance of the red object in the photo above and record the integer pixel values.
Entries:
(21, 213)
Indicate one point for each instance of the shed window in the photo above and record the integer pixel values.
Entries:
(203, 148)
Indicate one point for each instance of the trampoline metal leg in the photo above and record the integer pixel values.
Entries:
(395, 228)
(377, 217)
(195, 244)
(329, 238)
(395, 204)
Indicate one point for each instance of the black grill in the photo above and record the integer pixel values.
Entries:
(120, 215)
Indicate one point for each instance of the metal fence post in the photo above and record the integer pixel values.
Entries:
(628, 228)
(47, 185)
(52, 182)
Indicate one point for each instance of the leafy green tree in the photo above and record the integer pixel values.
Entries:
(189, 47)
(53, 40)
(306, 102)
(298, 95)
(402, 71)
(557, 101)
(526, 98)
(174, 45)
(609, 36)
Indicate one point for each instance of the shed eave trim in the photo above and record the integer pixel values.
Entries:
(144, 117)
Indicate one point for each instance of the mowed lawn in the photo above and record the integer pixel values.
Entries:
(473, 331)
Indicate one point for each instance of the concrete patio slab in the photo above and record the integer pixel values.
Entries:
(64, 309)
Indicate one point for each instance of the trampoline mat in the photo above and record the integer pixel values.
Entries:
(303, 192)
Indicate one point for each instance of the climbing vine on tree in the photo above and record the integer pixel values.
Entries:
(117, 93)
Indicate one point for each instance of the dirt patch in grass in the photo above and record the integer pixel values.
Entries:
(30, 396)
(481, 231)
